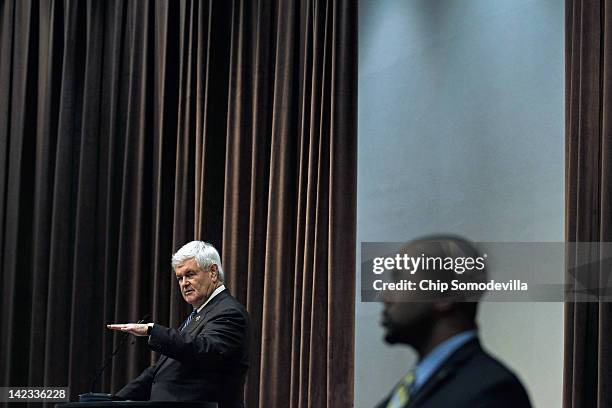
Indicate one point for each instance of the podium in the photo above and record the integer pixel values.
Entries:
(131, 404)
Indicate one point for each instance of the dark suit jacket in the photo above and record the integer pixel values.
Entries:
(470, 378)
(207, 361)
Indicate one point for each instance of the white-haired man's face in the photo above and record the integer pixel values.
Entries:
(196, 284)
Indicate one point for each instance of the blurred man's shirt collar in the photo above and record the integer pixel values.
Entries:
(434, 359)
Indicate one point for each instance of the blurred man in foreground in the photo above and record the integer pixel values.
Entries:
(206, 358)
(453, 370)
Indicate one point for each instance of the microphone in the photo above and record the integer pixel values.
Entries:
(93, 396)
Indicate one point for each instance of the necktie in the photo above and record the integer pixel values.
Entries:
(191, 316)
(401, 393)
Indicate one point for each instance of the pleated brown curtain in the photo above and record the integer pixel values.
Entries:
(588, 326)
(128, 128)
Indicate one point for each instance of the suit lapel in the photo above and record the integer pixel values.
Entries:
(446, 371)
(200, 317)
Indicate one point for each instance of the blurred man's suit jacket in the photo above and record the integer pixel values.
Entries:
(469, 378)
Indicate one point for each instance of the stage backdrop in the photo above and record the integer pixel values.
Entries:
(128, 128)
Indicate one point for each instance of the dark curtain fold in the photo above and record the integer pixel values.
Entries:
(128, 128)
(588, 325)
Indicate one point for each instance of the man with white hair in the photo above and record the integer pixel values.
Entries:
(206, 358)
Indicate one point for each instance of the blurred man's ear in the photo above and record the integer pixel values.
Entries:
(466, 309)
(444, 307)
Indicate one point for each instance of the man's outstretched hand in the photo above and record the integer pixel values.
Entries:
(137, 329)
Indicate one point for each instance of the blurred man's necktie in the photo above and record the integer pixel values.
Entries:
(401, 394)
